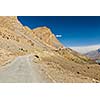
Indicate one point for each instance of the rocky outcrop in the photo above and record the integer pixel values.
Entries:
(74, 56)
(45, 34)
(11, 23)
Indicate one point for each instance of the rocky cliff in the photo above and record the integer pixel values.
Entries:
(45, 34)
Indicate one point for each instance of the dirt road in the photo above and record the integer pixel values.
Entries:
(21, 70)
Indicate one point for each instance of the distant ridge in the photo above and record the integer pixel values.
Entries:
(95, 55)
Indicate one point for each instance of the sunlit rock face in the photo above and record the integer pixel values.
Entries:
(45, 34)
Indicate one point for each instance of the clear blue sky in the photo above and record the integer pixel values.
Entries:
(75, 31)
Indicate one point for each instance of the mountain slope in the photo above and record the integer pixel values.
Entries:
(45, 34)
(95, 55)
(37, 56)
(74, 56)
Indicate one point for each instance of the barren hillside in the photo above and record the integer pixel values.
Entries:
(37, 56)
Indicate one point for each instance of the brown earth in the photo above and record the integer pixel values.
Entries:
(37, 56)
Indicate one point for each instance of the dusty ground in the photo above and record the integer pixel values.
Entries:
(43, 68)
(67, 71)
(5, 57)
(21, 69)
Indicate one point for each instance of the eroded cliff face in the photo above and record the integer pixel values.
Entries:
(42, 33)
(20, 40)
(45, 34)
(11, 23)
(11, 38)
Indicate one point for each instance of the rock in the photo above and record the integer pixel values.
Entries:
(45, 34)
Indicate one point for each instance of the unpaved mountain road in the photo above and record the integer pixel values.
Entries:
(27, 69)
(21, 70)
